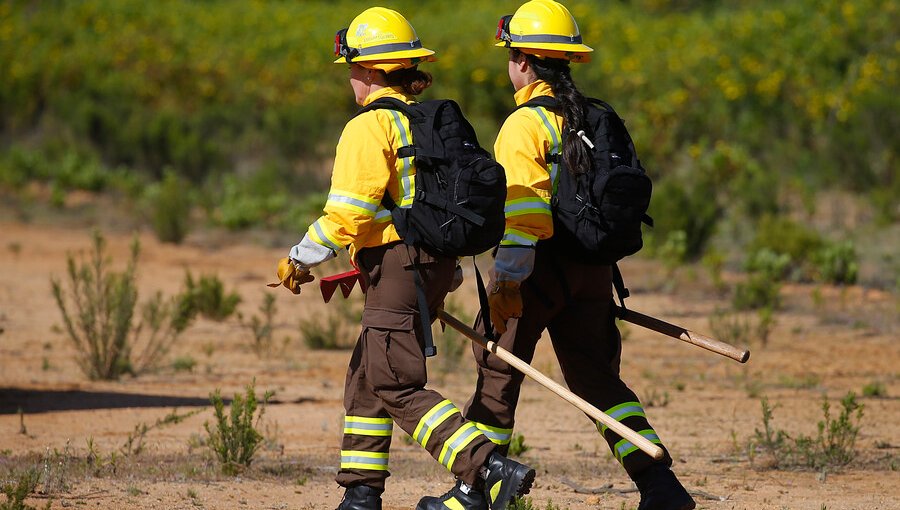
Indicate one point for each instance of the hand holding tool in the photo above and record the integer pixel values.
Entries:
(505, 301)
(291, 275)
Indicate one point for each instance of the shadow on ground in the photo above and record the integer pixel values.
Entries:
(32, 401)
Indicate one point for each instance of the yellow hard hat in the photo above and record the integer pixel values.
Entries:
(543, 28)
(380, 38)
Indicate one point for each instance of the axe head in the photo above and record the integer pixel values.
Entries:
(344, 281)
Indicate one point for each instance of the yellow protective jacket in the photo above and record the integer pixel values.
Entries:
(366, 167)
(525, 140)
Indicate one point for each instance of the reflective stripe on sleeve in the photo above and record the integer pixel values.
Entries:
(357, 203)
(497, 435)
(432, 419)
(364, 426)
(527, 205)
(457, 442)
(513, 237)
(320, 235)
(356, 459)
(383, 215)
(622, 411)
(625, 447)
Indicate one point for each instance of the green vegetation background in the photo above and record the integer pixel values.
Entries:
(738, 108)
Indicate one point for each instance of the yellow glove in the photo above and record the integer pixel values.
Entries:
(505, 301)
(291, 275)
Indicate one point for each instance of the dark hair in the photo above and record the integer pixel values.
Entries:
(556, 72)
(411, 80)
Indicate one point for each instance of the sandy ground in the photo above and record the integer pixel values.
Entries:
(827, 342)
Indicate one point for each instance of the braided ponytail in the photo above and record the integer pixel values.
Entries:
(556, 72)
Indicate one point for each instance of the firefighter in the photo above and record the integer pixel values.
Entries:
(539, 283)
(386, 379)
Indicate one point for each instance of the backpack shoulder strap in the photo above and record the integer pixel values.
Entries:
(552, 104)
(388, 103)
(546, 101)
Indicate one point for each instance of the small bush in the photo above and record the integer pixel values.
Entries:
(874, 389)
(730, 327)
(104, 304)
(184, 364)
(234, 438)
(781, 236)
(517, 445)
(262, 327)
(838, 263)
(834, 445)
(527, 504)
(18, 488)
(98, 313)
(207, 297)
(336, 329)
(672, 197)
(170, 208)
(762, 288)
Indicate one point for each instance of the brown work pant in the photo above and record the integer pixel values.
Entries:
(387, 376)
(574, 301)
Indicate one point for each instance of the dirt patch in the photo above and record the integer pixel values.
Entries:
(826, 342)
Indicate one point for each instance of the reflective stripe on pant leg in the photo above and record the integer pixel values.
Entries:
(622, 411)
(355, 459)
(625, 447)
(497, 435)
(364, 426)
(432, 419)
(457, 442)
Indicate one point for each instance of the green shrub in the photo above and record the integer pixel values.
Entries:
(170, 208)
(337, 328)
(781, 236)
(686, 213)
(98, 312)
(184, 364)
(103, 304)
(762, 286)
(517, 445)
(838, 263)
(234, 437)
(18, 488)
(262, 327)
(207, 297)
(833, 446)
(874, 389)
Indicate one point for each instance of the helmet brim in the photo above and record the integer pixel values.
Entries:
(579, 53)
(423, 54)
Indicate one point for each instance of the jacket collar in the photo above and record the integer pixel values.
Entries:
(532, 90)
(395, 92)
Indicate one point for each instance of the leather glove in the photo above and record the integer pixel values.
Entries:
(505, 302)
(291, 275)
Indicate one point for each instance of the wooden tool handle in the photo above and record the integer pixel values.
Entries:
(668, 329)
(636, 439)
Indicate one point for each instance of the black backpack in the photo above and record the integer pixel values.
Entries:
(460, 190)
(597, 216)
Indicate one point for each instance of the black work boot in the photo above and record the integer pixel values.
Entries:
(460, 497)
(361, 497)
(661, 490)
(505, 479)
